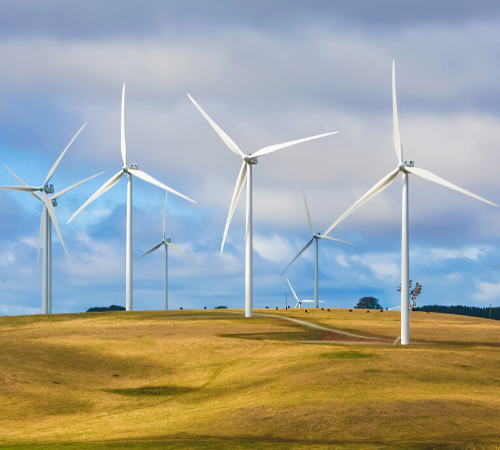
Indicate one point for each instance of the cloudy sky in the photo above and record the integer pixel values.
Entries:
(266, 72)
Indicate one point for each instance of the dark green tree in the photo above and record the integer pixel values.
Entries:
(106, 308)
(368, 303)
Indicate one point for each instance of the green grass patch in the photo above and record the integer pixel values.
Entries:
(152, 390)
(307, 335)
(352, 354)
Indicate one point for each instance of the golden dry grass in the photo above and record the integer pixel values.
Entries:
(143, 379)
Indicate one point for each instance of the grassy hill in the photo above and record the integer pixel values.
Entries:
(213, 379)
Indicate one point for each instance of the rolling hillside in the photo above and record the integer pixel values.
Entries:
(213, 379)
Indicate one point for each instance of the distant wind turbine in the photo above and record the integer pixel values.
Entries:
(315, 237)
(406, 168)
(132, 169)
(299, 302)
(246, 173)
(48, 216)
(167, 243)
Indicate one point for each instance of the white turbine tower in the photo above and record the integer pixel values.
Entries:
(406, 168)
(315, 237)
(48, 216)
(167, 243)
(299, 302)
(246, 173)
(129, 170)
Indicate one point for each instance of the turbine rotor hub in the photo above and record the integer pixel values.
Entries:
(48, 188)
(251, 160)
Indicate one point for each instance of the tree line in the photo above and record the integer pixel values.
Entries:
(473, 311)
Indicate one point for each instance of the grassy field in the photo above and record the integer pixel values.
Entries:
(213, 379)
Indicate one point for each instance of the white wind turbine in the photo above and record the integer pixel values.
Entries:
(48, 216)
(406, 168)
(129, 170)
(315, 237)
(299, 302)
(167, 243)
(246, 173)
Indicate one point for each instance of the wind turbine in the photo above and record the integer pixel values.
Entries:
(299, 302)
(315, 237)
(246, 172)
(48, 216)
(406, 168)
(129, 170)
(167, 243)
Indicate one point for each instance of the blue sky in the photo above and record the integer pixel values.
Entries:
(266, 72)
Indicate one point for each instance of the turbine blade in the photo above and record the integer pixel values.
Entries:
(50, 209)
(178, 250)
(308, 214)
(337, 240)
(144, 176)
(379, 187)
(165, 215)
(311, 301)
(123, 145)
(309, 242)
(21, 188)
(156, 247)
(42, 226)
(34, 194)
(229, 142)
(431, 177)
(496, 267)
(294, 294)
(63, 191)
(274, 148)
(395, 119)
(240, 182)
(54, 167)
(108, 185)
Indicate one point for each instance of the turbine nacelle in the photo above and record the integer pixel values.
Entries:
(48, 188)
(251, 160)
(54, 202)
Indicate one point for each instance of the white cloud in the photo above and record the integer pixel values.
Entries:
(274, 248)
(341, 260)
(487, 291)
(385, 266)
(465, 252)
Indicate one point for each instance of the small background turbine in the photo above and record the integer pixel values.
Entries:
(315, 237)
(299, 302)
(167, 243)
